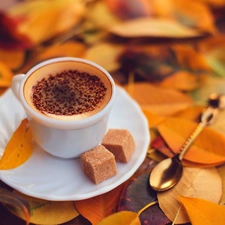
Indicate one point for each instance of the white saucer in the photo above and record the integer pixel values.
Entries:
(47, 177)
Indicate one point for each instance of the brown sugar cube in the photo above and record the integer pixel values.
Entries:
(121, 143)
(99, 164)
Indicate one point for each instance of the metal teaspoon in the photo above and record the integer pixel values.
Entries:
(168, 172)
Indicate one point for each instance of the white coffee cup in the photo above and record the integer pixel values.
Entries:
(59, 137)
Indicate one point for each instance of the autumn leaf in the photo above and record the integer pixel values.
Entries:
(199, 183)
(48, 212)
(18, 149)
(96, 208)
(158, 100)
(122, 218)
(208, 148)
(204, 212)
(153, 27)
(5, 75)
(11, 200)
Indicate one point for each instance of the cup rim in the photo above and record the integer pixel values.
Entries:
(66, 124)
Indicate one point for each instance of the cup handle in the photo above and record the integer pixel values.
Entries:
(15, 84)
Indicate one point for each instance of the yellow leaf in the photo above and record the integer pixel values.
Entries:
(121, 218)
(153, 27)
(12, 59)
(49, 212)
(18, 149)
(195, 182)
(204, 212)
(5, 75)
(208, 148)
(158, 100)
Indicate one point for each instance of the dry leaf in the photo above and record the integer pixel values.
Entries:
(47, 212)
(5, 75)
(99, 207)
(121, 218)
(208, 148)
(152, 27)
(18, 149)
(108, 57)
(199, 183)
(158, 100)
(203, 212)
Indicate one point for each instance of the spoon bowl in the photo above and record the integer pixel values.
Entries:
(166, 174)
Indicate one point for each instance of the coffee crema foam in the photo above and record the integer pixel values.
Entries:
(69, 95)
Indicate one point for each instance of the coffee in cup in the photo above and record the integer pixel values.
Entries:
(67, 91)
(67, 101)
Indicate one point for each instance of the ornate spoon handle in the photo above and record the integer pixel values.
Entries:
(207, 117)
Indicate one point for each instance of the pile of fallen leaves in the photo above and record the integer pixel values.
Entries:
(169, 56)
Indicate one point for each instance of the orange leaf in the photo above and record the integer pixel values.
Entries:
(203, 212)
(99, 207)
(159, 100)
(208, 147)
(5, 75)
(18, 149)
(122, 218)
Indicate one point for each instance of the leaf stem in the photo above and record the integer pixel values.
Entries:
(147, 206)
